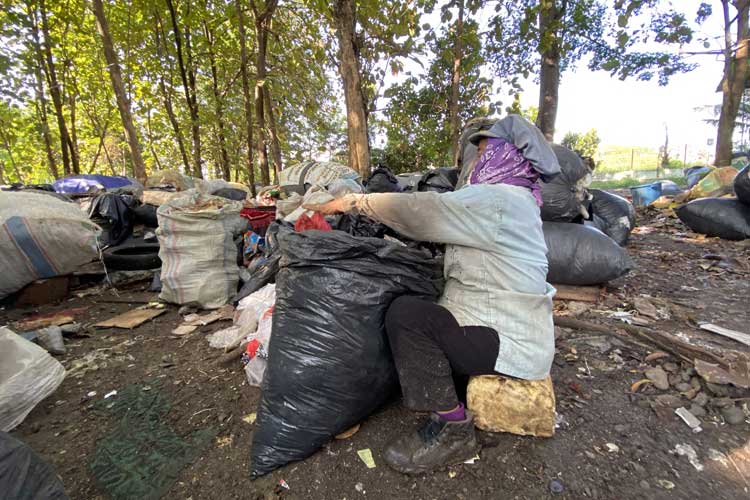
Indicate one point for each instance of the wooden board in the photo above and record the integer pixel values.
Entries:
(579, 293)
(743, 338)
(131, 319)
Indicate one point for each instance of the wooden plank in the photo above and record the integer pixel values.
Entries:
(131, 319)
(579, 293)
(743, 338)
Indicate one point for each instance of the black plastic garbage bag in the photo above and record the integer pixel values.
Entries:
(359, 225)
(231, 194)
(726, 218)
(742, 185)
(146, 215)
(565, 195)
(382, 180)
(581, 255)
(617, 213)
(114, 213)
(24, 475)
(441, 180)
(329, 364)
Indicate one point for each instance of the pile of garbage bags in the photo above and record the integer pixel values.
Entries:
(717, 214)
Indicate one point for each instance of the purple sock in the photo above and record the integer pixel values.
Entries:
(454, 415)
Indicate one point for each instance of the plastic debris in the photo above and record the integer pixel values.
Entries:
(612, 448)
(452, 474)
(685, 450)
(366, 456)
(110, 394)
(667, 485)
(556, 487)
(472, 459)
(689, 419)
(359, 487)
(283, 484)
(250, 418)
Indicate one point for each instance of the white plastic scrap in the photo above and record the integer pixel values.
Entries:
(685, 450)
(689, 419)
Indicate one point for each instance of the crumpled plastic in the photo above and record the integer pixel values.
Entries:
(316, 221)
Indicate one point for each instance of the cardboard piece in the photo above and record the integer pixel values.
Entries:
(131, 319)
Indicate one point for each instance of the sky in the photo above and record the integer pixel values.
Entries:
(634, 113)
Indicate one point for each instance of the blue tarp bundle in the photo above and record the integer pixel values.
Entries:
(89, 183)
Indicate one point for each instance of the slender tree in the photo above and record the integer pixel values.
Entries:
(246, 94)
(123, 105)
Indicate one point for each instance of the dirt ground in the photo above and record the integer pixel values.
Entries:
(611, 442)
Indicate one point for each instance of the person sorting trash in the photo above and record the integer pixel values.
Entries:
(495, 314)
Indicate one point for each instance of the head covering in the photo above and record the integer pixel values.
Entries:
(489, 133)
(502, 163)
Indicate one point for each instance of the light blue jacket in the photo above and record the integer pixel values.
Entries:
(495, 263)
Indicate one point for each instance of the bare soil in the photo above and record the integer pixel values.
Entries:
(611, 442)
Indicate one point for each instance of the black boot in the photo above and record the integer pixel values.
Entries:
(437, 444)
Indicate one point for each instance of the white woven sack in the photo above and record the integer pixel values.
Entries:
(28, 374)
(197, 251)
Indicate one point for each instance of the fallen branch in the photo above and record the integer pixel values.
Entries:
(663, 340)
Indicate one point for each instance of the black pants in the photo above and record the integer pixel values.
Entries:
(429, 347)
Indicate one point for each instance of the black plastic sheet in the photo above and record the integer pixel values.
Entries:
(114, 213)
(24, 475)
(329, 363)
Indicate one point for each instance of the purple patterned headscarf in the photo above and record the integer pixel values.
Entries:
(503, 163)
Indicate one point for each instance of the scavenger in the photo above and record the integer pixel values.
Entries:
(495, 314)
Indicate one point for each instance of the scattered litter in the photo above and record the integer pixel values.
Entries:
(348, 433)
(184, 329)
(224, 441)
(91, 394)
(366, 456)
(556, 487)
(283, 484)
(250, 418)
(110, 394)
(131, 319)
(472, 459)
(685, 450)
(51, 339)
(57, 318)
(359, 487)
(689, 419)
(667, 485)
(452, 474)
(612, 448)
(743, 338)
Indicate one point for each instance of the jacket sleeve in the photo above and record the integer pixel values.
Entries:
(428, 216)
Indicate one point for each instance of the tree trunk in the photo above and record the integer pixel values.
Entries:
(42, 101)
(549, 78)
(139, 168)
(99, 147)
(188, 83)
(453, 122)
(54, 90)
(73, 139)
(246, 95)
(160, 42)
(262, 18)
(275, 144)
(356, 118)
(733, 81)
(224, 158)
(6, 145)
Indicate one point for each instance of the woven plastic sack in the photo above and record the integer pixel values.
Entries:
(717, 183)
(28, 374)
(199, 258)
(41, 237)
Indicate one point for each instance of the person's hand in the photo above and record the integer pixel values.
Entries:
(331, 208)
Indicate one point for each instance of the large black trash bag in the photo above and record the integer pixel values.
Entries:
(146, 215)
(382, 180)
(233, 194)
(24, 475)
(329, 364)
(360, 225)
(581, 255)
(263, 271)
(114, 213)
(617, 213)
(742, 185)
(726, 218)
(441, 180)
(565, 195)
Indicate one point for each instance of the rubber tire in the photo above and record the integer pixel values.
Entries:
(138, 257)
